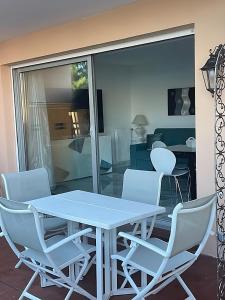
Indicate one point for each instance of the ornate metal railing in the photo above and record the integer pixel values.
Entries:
(220, 169)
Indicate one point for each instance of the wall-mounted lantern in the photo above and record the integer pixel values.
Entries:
(209, 69)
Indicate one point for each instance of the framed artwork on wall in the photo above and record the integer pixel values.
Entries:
(181, 101)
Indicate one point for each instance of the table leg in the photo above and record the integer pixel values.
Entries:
(143, 237)
(107, 264)
(44, 281)
(99, 264)
(71, 267)
(192, 168)
(114, 261)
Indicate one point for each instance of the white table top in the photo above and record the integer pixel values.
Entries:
(95, 209)
(181, 148)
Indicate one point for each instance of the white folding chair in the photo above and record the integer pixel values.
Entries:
(164, 160)
(49, 258)
(30, 185)
(164, 262)
(142, 186)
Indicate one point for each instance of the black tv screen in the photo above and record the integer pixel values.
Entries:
(80, 100)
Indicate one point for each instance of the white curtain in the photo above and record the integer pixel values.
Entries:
(38, 144)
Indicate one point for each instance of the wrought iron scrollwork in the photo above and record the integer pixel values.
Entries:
(220, 168)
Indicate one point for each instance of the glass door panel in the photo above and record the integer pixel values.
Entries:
(112, 84)
(135, 109)
(56, 124)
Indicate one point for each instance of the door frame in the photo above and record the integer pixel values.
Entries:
(88, 55)
(116, 45)
(20, 130)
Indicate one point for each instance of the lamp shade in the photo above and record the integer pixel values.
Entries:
(140, 120)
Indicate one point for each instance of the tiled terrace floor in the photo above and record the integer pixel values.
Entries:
(201, 278)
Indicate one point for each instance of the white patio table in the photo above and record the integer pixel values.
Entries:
(105, 214)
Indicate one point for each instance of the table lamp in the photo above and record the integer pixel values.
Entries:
(140, 121)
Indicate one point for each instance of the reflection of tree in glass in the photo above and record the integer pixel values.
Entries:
(79, 75)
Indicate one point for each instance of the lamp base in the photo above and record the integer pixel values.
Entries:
(140, 133)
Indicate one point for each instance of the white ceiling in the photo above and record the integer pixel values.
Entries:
(18, 17)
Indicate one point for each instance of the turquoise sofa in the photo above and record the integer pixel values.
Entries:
(140, 155)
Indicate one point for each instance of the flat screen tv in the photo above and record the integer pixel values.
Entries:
(80, 103)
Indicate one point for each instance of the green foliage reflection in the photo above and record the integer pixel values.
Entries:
(79, 75)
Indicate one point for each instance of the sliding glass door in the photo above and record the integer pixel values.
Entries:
(56, 123)
(136, 112)
(113, 85)
(86, 120)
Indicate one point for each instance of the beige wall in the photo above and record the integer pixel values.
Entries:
(141, 17)
(8, 156)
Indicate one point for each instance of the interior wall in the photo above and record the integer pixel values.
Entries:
(114, 80)
(140, 85)
(149, 90)
(8, 149)
(3, 153)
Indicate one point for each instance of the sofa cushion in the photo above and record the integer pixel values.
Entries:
(175, 136)
(151, 138)
(140, 156)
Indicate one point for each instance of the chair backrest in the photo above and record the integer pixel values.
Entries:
(191, 224)
(142, 186)
(26, 185)
(158, 144)
(163, 160)
(18, 224)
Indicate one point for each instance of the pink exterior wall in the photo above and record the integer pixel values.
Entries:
(8, 157)
(3, 154)
(139, 18)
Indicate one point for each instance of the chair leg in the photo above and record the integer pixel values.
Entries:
(162, 285)
(140, 294)
(178, 185)
(129, 279)
(81, 271)
(91, 262)
(25, 293)
(73, 285)
(185, 287)
(131, 271)
(176, 189)
(125, 243)
(69, 294)
(189, 185)
(18, 264)
(81, 291)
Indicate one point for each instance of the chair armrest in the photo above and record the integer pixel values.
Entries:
(67, 239)
(143, 243)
